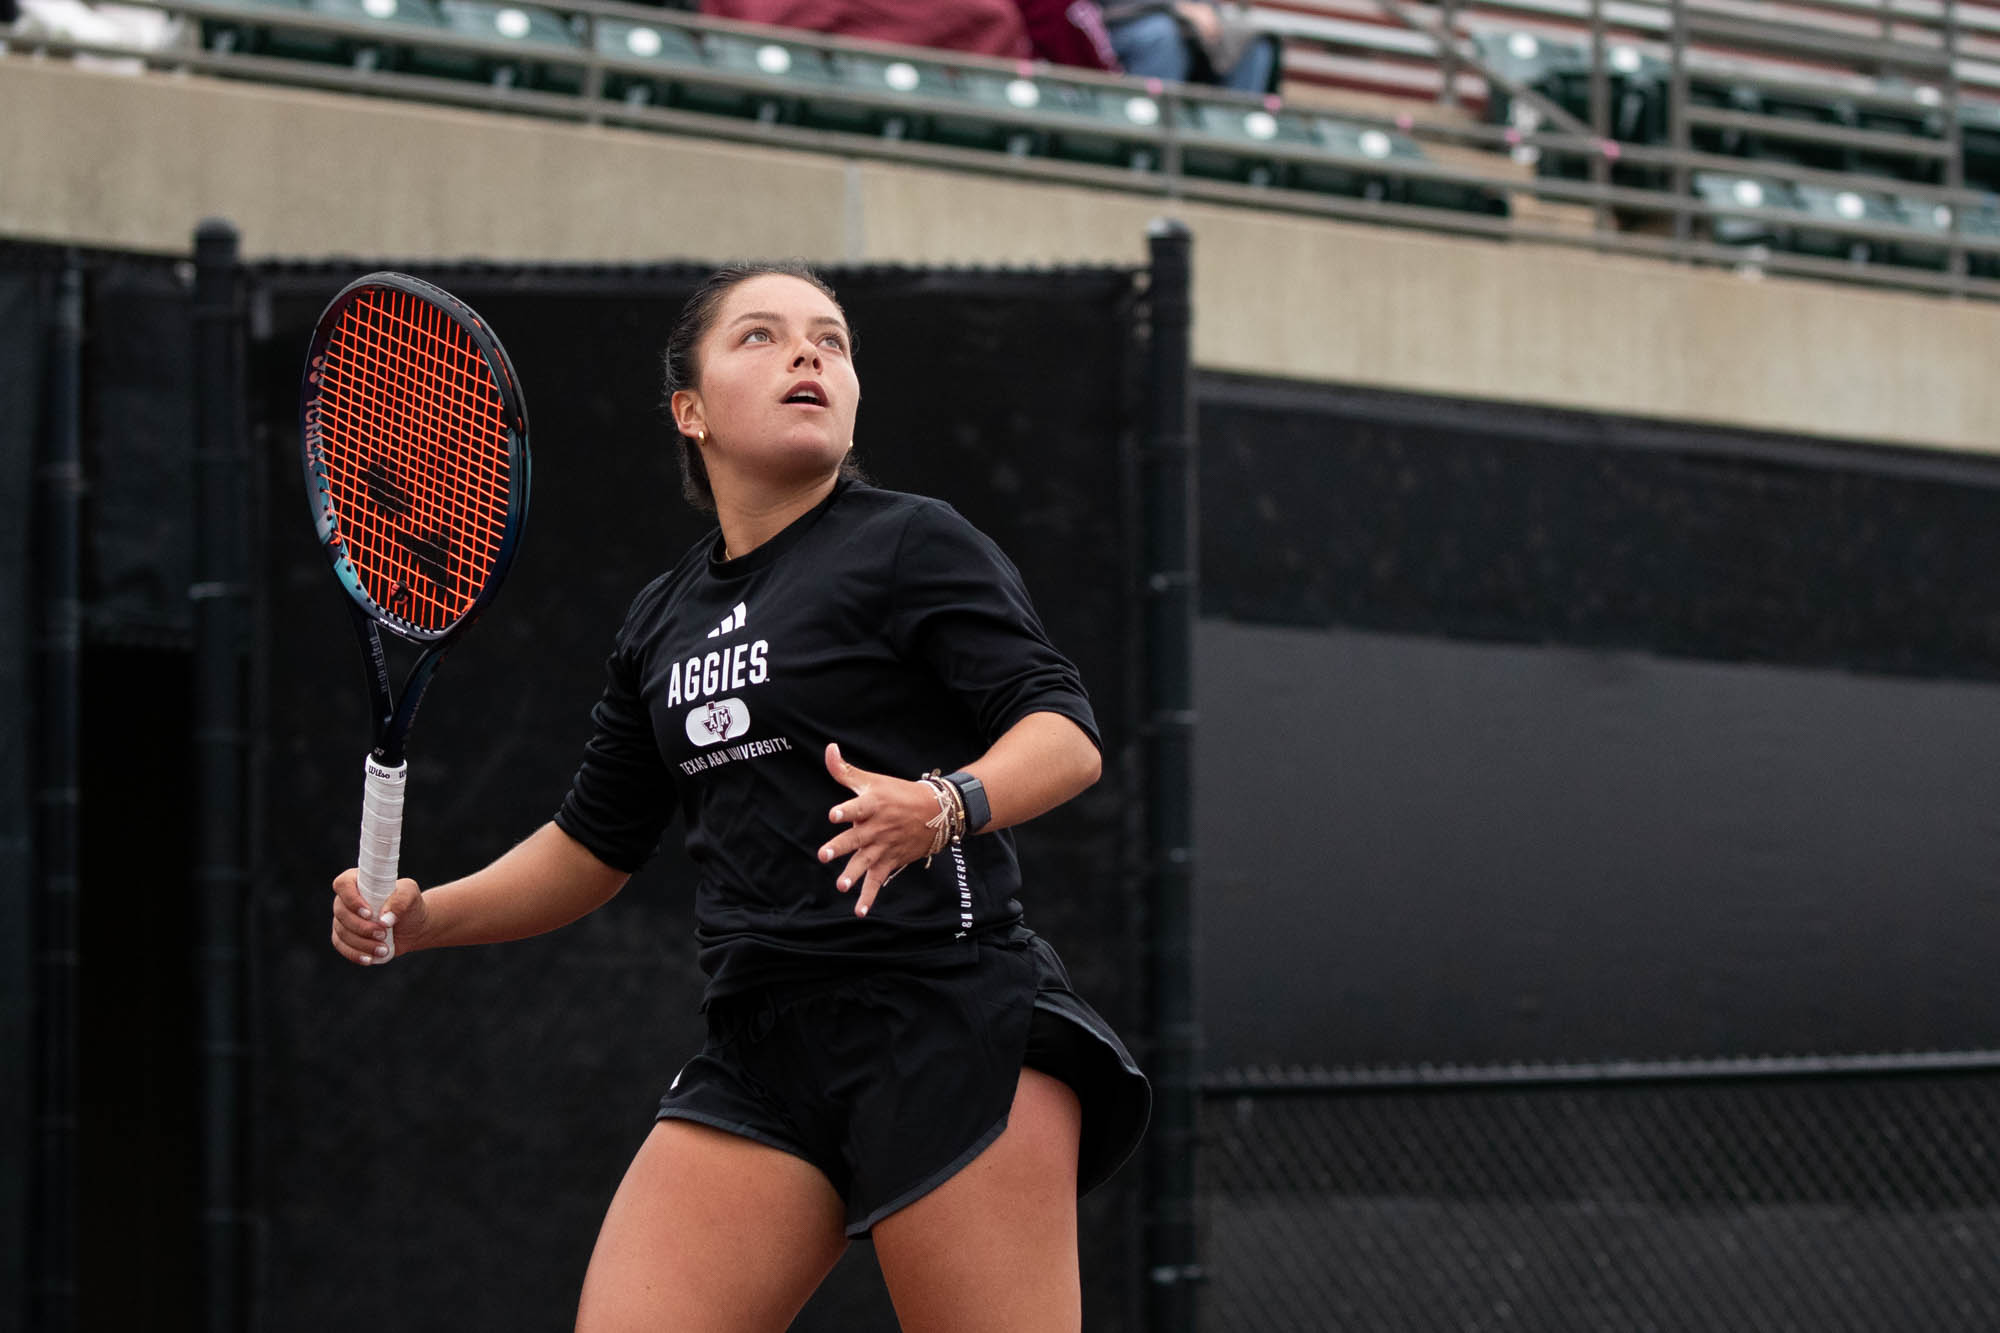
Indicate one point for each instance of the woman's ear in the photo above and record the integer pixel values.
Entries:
(688, 417)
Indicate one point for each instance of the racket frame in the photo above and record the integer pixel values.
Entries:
(391, 716)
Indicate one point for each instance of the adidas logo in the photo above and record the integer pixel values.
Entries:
(732, 622)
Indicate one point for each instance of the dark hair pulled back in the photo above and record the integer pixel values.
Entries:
(682, 363)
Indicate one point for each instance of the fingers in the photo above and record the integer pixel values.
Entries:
(856, 780)
(359, 934)
(873, 883)
(839, 769)
(888, 828)
(840, 846)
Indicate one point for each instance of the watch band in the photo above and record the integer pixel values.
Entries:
(978, 813)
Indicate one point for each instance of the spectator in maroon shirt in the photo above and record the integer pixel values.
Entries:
(1070, 32)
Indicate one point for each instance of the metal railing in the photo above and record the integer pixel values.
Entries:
(1640, 195)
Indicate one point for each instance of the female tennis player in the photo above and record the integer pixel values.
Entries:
(847, 697)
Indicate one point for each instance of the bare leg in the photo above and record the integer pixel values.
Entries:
(710, 1233)
(994, 1247)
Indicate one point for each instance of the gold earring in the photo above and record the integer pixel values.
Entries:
(701, 437)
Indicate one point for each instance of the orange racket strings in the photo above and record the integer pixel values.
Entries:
(417, 457)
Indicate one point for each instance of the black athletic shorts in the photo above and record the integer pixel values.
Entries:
(891, 1081)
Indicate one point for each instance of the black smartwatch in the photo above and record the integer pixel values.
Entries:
(973, 793)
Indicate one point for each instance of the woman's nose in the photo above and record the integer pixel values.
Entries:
(806, 351)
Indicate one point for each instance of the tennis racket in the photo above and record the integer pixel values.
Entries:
(415, 443)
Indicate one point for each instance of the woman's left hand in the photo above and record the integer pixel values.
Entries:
(888, 827)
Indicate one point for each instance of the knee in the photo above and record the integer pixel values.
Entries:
(1257, 69)
(1151, 47)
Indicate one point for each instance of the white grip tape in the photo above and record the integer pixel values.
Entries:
(381, 835)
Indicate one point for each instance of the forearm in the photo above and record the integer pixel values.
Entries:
(546, 881)
(1041, 761)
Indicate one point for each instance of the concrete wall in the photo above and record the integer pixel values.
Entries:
(125, 161)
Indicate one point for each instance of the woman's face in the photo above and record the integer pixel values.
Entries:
(777, 391)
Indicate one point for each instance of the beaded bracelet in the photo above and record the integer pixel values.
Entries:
(948, 825)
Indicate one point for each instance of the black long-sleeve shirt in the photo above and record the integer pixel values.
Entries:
(879, 620)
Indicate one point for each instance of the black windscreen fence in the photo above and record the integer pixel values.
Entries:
(1859, 1203)
(26, 306)
(1538, 742)
(1592, 815)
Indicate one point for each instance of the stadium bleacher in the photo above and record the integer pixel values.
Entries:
(1858, 130)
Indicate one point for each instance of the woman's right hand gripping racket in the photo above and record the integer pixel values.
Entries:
(415, 443)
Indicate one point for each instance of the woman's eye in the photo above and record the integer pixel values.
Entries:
(756, 334)
(835, 341)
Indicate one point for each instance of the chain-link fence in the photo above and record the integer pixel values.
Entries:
(1848, 1199)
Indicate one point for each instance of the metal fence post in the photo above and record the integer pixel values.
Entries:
(218, 593)
(1167, 500)
(59, 637)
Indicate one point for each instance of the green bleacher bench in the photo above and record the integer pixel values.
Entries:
(1723, 96)
(550, 51)
(1527, 59)
(664, 50)
(1108, 127)
(1979, 141)
(1239, 137)
(992, 100)
(864, 91)
(1819, 202)
(1831, 110)
(264, 30)
(396, 24)
(1926, 216)
(1922, 122)
(1982, 220)
(791, 63)
(1345, 171)
(1729, 190)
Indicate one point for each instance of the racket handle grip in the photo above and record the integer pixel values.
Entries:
(381, 835)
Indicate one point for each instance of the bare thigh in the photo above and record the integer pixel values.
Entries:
(710, 1233)
(994, 1247)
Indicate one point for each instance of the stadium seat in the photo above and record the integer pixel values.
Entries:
(1921, 123)
(657, 46)
(1635, 112)
(1728, 190)
(792, 63)
(993, 102)
(551, 56)
(1922, 215)
(1979, 139)
(1635, 93)
(398, 22)
(865, 89)
(1344, 170)
(263, 30)
(1526, 58)
(1723, 96)
(1982, 220)
(1829, 110)
(1839, 206)
(1106, 126)
(1231, 140)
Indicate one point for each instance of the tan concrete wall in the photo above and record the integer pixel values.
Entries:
(122, 161)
